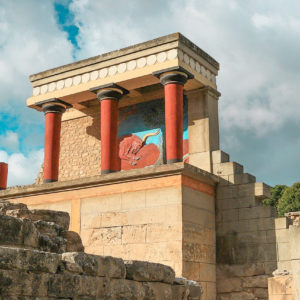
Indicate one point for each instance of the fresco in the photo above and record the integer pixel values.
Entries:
(141, 134)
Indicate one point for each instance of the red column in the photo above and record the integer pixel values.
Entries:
(3, 175)
(109, 136)
(173, 81)
(53, 110)
(109, 96)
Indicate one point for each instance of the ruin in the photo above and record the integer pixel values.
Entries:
(132, 153)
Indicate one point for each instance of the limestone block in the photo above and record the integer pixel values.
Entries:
(219, 156)
(294, 237)
(270, 267)
(199, 253)
(229, 285)
(21, 283)
(241, 178)
(284, 265)
(284, 251)
(28, 260)
(73, 241)
(244, 270)
(134, 234)
(198, 216)
(63, 285)
(282, 223)
(193, 233)
(163, 232)
(18, 232)
(127, 289)
(260, 281)
(227, 168)
(94, 265)
(230, 215)
(199, 136)
(201, 160)
(208, 272)
(282, 235)
(211, 290)
(280, 285)
(257, 212)
(111, 219)
(227, 192)
(133, 200)
(261, 293)
(238, 296)
(158, 290)
(6, 205)
(163, 196)
(197, 199)
(145, 271)
(48, 228)
(180, 292)
(262, 190)
(58, 217)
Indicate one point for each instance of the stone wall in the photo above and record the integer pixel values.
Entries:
(288, 256)
(245, 230)
(34, 264)
(163, 214)
(281, 287)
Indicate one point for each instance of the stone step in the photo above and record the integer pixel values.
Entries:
(219, 156)
(241, 178)
(228, 168)
(262, 191)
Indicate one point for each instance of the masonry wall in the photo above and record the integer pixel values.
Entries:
(39, 260)
(163, 218)
(286, 280)
(245, 230)
(199, 243)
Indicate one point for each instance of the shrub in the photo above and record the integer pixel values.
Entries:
(276, 193)
(290, 200)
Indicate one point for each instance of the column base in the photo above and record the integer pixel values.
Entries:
(107, 171)
(49, 180)
(174, 160)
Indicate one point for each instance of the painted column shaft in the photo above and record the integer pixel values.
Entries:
(3, 175)
(174, 122)
(52, 146)
(109, 136)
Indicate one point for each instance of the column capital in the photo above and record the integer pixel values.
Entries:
(176, 75)
(110, 91)
(53, 105)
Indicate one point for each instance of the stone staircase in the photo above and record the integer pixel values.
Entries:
(41, 260)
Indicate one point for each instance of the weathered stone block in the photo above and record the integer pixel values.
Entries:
(73, 241)
(145, 271)
(94, 265)
(28, 260)
(219, 156)
(18, 232)
(260, 281)
(229, 285)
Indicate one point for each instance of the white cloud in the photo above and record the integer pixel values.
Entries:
(22, 169)
(30, 41)
(9, 141)
(259, 68)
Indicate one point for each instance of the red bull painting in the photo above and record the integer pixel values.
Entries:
(142, 135)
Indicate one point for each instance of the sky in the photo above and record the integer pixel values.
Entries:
(257, 44)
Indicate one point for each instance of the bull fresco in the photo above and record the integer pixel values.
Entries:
(142, 134)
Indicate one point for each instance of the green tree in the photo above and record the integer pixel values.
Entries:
(276, 193)
(290, 200)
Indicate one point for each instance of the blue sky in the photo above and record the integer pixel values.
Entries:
(256, 43)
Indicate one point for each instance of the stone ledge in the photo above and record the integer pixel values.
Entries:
(112, 178)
